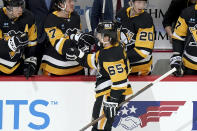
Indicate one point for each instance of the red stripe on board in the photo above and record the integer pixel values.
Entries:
(152, 114)
(162, 109)
(165, 114)
(172, 103)
(92, 78)
(169, 108)
(162, 50)
(153, 108)
(153, 119)
(158, 114)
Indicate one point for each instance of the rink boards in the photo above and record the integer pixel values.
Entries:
(65, 104)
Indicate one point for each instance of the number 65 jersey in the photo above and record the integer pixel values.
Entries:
(137, 34)
(112, 69)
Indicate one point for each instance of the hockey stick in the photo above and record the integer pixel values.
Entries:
(87, 17)
(103, 10)
(131, 97)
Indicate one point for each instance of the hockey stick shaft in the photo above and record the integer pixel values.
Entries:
(131, 97)
(87, 17)
(103, 10)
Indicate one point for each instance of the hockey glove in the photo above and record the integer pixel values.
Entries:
(110, 107)
(30, 66)
(176, 61)
(18, 41)
(83, 38)
(84, 48)
(74, 53)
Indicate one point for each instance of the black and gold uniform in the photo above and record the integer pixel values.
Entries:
(137, 33)
(185, 39)
(11, 61)
(112, 70)
(54, 60)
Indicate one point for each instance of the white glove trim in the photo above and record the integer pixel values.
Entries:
(12, 44)
(77, 36)
(81, 54)
(31, 60)
(175, 59)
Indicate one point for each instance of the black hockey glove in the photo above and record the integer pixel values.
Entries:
(176, 61)
(74, 53)
(18, 41)
(110, 107)
(84, 48)
(30, 67)
(83, 38)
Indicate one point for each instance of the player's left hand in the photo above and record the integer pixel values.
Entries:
(85, 38)
(83, 47)
(74, 53)
(110, 107)
(30, 66)
(88, 39)
(176, 61)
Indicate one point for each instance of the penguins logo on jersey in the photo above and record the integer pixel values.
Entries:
(193, 31)
(11, 33)
(127, 37)
(70, 31)
(7, 36)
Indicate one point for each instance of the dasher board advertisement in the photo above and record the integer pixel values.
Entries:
(65, 104)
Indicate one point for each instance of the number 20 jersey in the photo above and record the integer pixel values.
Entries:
(139, 30)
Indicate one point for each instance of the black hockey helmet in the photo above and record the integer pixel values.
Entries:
(108, 28)
(14, 3)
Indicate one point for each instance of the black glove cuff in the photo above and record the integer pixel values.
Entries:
(115, 95)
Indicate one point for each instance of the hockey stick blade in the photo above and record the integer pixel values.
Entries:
(131, 97)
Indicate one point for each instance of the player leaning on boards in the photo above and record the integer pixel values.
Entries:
(137, 33)
(18, 39)
(184, 43)
(171, 16)
(62, 28)
(112, 70)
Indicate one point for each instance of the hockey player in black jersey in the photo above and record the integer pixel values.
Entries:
(137, 33)
(18, 38)
(112, 70)
(184, 43)
(62, 28)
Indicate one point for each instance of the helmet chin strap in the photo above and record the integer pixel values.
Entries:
(63, 9)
